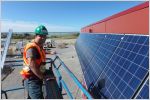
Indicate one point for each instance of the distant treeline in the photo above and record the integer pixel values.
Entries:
(67, 35)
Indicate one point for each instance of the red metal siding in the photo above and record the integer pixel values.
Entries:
(100, 27)
(134, 21)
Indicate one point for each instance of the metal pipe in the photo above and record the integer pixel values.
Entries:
(75, 79)
(14, 61)
(58, 75)
(14, 89)
(62, 82)
(19, 65)
(66, 88)
(4, 92)
(49, 60)
(14, 55)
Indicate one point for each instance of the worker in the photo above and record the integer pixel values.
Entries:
(34, 64)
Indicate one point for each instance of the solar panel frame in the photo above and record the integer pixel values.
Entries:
(144, 93)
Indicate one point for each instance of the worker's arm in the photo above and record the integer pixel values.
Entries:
(35, 68)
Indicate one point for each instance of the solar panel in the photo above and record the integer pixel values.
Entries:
(120, 60)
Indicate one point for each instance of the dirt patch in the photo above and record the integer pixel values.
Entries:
(6, 71)
(62, 45)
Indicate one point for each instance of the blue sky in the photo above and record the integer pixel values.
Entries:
(58, 16)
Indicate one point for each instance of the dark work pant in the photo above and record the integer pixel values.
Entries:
(34, 88)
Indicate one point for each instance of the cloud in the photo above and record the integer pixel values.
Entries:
(24, 26)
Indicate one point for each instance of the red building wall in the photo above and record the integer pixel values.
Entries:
(132, 21)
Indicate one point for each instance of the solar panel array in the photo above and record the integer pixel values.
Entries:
(115, 65)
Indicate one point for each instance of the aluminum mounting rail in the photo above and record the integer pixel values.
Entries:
(6, 46)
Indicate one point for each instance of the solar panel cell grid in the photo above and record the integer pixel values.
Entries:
(122, 60)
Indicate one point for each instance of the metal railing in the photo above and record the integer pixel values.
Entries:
(62, 83)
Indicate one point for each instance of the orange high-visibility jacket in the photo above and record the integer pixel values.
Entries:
(25, 71)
